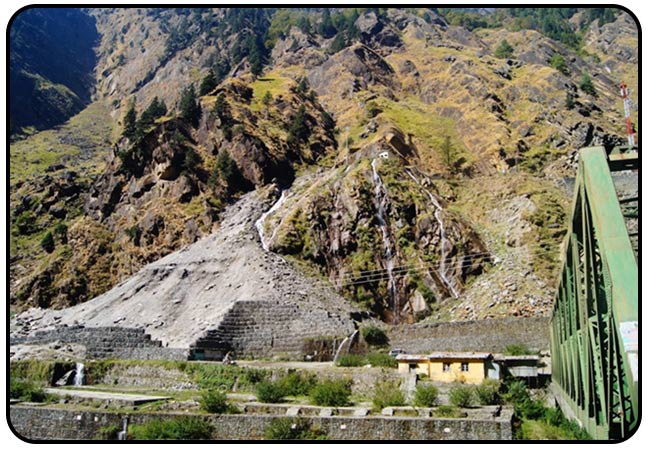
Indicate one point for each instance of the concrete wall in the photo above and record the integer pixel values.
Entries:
(39, 423)
(480, 335)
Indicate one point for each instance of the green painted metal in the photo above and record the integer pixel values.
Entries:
(594, 326)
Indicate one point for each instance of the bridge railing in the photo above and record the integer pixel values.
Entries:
(595, 318)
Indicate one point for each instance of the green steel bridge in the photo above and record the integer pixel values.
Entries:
(594, 327)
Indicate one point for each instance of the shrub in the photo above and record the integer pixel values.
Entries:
(61, 231)
(558, 63)
(374, 336)
(331, 393)
(26, 223)
(182, 428)
(426, 395)
(269, 392)
(504, 50)
(295, 383)
(214, 402)
(381, 360)
(286, 429)
(461, 396)
(47, 243)
(488, 392)
(387, 394)
(26, 391)
(587, 86)
(107, 433)
(516, 350)
(351, 361)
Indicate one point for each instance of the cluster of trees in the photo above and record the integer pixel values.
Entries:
(552, 22)
(134, 128)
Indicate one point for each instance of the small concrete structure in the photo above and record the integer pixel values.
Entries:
(524, 366)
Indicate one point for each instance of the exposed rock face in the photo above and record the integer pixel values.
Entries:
(180, 297)
(379, 235)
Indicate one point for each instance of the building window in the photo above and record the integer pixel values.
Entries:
(446, 367)
(464, 367)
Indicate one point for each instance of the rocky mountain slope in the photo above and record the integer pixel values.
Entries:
(51, 66)
(179, 297)
(416, 168)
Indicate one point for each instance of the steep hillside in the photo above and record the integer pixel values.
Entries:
(417, 155)
(52, 65)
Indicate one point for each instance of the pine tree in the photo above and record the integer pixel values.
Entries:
(130, 129)
(155, 110)
(326, 28)
(208, 83)
(298, 131)
(190, 110)
(338, 44)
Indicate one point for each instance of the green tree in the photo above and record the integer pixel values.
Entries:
(266, 100)
(208, 83)
(130, 128)
(587, 86)
(326, 27)
(338, 44)
(156, 109)
(569, 101)
(190, 110)
(558, 63)
(298, 130)
(47, 243)
(449, 154)
(374, 336)
(191, 160)
(504, 50)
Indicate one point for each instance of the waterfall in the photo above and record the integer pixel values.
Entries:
(388, 254)
(122, 435)
(346, 343)
(259, 223)
(79, 374)
(445, 244)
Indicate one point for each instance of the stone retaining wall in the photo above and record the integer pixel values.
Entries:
(40, 423)
(480, 335)
(106, 342)
(261, 328)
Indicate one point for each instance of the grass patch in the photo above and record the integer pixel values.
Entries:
(88, 134)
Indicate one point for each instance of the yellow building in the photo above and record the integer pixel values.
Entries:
(466, 367)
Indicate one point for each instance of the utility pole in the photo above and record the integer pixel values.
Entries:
(628, 120)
